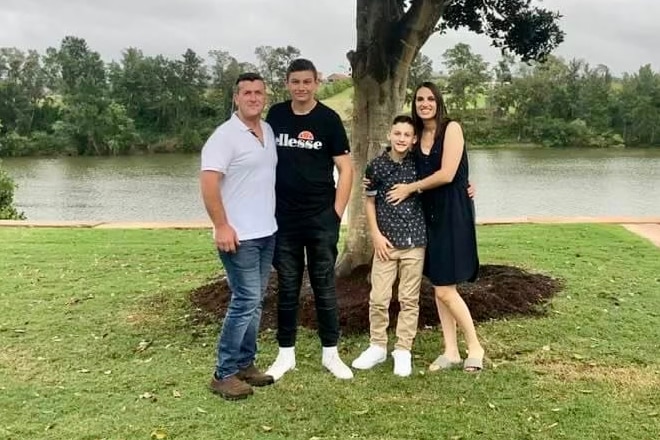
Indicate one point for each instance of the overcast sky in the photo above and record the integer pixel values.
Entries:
(621, 34)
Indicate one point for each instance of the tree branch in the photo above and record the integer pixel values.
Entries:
(376, 21)
(415, 27)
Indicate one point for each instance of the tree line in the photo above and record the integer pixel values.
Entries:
(556, 103)
(69, 101)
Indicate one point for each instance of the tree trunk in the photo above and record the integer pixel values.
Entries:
(388, 39)
(374, 106)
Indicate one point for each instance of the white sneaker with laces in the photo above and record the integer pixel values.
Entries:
(370, 357)
(285, 361)
(402, 362)
(331, 360)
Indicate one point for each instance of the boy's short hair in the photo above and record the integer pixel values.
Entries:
(301, 65)
(404, 119)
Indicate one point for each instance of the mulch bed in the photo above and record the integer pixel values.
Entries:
(499, 292)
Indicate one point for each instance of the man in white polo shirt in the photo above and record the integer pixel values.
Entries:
(238, 188)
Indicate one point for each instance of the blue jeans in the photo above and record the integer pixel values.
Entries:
(247, 271)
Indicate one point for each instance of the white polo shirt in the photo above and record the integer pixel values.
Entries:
(248, 185)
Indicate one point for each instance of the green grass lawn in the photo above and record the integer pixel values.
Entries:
(95, 344)
(342, 103)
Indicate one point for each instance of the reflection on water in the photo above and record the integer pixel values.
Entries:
(510, 182)
(566, 182)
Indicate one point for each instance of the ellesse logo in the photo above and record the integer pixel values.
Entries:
(305, 140)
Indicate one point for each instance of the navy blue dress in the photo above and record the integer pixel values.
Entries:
(451, 253)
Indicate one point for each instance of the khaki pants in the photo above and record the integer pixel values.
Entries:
(408, 263)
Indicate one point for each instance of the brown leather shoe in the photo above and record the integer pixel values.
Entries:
(230, 388)
(254, 377)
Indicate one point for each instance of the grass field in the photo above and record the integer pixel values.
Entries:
(95, 343)
(342, 103)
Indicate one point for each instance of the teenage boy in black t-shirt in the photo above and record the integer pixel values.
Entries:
(311, 142)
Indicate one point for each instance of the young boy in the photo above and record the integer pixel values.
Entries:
(399, 236)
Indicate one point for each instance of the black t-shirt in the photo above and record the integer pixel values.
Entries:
(306, 145)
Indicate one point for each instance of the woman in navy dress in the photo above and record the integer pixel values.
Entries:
(451, 254)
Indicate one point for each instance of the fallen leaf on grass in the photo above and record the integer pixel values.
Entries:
(78, 300)
(83, 370)
(361, 412)
(143, 345)
(548, 427)
(266, 428)
(201, 410)
(148, 396)
(176, 394)
(159, 434)
(491, 405)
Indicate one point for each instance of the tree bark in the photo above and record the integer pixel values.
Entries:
(389, 36)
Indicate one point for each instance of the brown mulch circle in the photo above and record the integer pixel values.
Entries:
(499, 292)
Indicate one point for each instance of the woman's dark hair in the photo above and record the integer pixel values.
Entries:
(441, 118)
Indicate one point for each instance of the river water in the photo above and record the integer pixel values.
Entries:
(510, 183)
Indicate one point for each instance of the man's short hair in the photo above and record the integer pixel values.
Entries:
(248, 76)
(301, 65)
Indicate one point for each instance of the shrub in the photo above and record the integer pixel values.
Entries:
(7, 209)
(331, 89)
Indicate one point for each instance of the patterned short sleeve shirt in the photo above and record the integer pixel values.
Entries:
(402, 224)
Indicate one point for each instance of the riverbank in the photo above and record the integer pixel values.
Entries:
(647, 227)
(95, 342)
(171, 148)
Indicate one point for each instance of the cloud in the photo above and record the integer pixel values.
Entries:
(618, 33)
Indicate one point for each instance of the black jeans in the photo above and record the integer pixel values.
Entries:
(317, 237)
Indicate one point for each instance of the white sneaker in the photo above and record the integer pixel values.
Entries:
(285, 361)
(334, 364)
(402, 362)
(370, 357)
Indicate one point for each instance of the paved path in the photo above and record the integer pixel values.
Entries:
(647, 227)
(650, 231)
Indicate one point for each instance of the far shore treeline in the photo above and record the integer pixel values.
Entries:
(68, 101)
